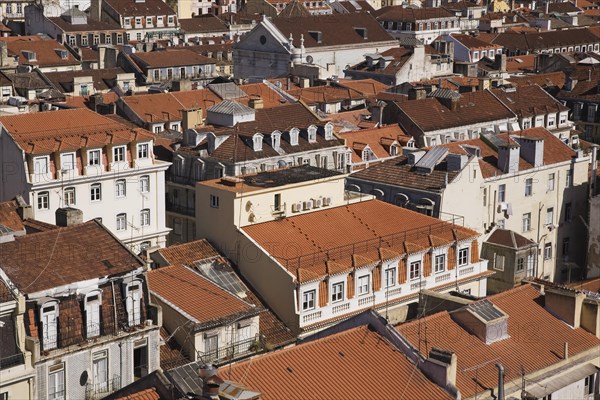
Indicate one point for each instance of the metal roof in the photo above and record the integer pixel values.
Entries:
(231, 107)
(432, 158)
(486, 310)
(221, 274)
(227, 90)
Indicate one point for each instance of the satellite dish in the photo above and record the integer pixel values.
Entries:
(251, 217)
(309, 59)
(248, 206)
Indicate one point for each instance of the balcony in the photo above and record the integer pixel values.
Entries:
(230, 352)
(366, 300)
(340, 308)
(466, 270)
(102, 389)
(311, 317)
(180, 209)
(418, 285)
(12, 361)
(443, 277)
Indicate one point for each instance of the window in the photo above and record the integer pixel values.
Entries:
(363, 284)
(144, 183)
(308, 300)
(499, 262)
(528, 187)
(92, 314)
(43, 201)
(41, 165)
(138, 21)
(49, 319)
(211, 345)
(56, 382)
(69, 196)
(120, 188)
(463, 256)
(67, 161)
(100, 371)
(140, 358)
(568, 212)
(526, 222)
(475, 55)
(121, 222)
(119, 154)
(133, 302)
(159, 20)
(148, 21)
(588, 385)
(157, 76)
(415, 270)
(145, 217)
(142, 150)
(72, 40)
(390, 277)
(84, 40)
(127, 21)
(502, 193)
(547, 251)
(96, 192)
(440, 263)
(485, 196)
(94, 157)
(170, 20)
(526, 124)
(569, 178)
(108, 39)
(214, 201)
(551, 182)
(565, 248)
(549, 215)
(337, 292)
(520, 264)
(169, 73)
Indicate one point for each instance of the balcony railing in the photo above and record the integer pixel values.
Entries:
(102, 389)
(177, 208)
(12, 361)
(230, 352)
(311, 317)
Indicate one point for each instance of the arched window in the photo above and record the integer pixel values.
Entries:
(401, 200)
(377, 193)
(312, 134)
(276, 139)
(294, 132)
(257, 141)
(328, 131)
(426, 206)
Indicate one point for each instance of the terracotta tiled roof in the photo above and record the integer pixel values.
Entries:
(592, 285)
(366, 226)
(563, 8)
(9, 216)
(356, 6)
(378, 139)
(527, 101)
(537, 350)
(400, 13)
(62, 256)
(84, 102)
(188, 253)
(368, 87)
(170, 58)
(336, 29)
(352, 120)
(472, 42)
(196, 295)
(102, 79)
(145, 394)
(62, 130)
(400, 56)
(556, 79)
(474, 107)
(530, 41)
(202, 23)
(140, 8)
(555, 151)
(325, 94)
(5, 293)
(46, 52)
(91, 25)
(508, 238)
(321, 369)
(170, 352)
(271, 328)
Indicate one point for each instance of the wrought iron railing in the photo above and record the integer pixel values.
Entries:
(229, 352)
(12, 361)
(99, 390)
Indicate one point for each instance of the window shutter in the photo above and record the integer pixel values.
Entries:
(452, 257)
(350, 285)
(474, 251)
(377, 278)
(323, 293)
(402, 270)
(427, 264)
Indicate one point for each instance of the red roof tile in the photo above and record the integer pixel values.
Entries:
(358, 363)
(378, 139)
(145, 394)
(187, 253)
(9, 216)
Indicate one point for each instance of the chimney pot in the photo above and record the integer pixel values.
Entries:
(68, 216)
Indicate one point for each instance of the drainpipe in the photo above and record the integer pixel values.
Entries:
(500, 381)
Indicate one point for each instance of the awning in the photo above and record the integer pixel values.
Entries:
(559, 381)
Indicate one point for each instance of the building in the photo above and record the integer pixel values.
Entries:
(203, 25)
(47, 55)
(313, 46)
(421, 24)
(92, 81)
(403, 64)
(470, 49)
(329, 99)
(528, 181)
(85, 160)
(473, 348)
(511, 256)
(262, 140)
(88, 323)
(283, 230)
(143, 20)
(169, 65)
(521, 43)
(580, 93)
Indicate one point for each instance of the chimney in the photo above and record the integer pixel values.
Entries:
(484, 83)
(96, 10)
(484, 320)
(192, 117)
(565, 304)
(546, 10)
(24, 210)
(211, 382)
(500, 381)
(566, 351)
(443, 365)
(532, 150)
(4, 54)
(594, 163)
(456, 162)
(508, 158)
(256, 103)
(417, 93)
(415, 156)
(451, 103)
(68, 216)
(500, 62)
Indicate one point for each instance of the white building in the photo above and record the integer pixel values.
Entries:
(77, 158)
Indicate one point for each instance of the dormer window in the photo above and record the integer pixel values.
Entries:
(367, 154)
(41, 165)
(92, 304)
(119, 154)
(328, 131)
(67, 161)
(312, 134)
(142, 150)
(276, 140)
(49, 320)
(257, 140)
(133, 302)
(294, 132)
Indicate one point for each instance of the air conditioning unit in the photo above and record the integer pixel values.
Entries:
(308, 205)
(326, 201)
(317, 203)
(295, 207)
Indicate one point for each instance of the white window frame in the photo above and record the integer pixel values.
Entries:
(364, 285)
(337, 292)
(133, 302)
(56, 381)
(96, 192)
(143, 150)
(120, 188)
(145, 183)
(145, 217)
(308, 300)
(390, 277)
(121, 222)
(502, 193)
(43, 200)
(68, 161)
(463, 256)
(94, 157)
(214, 201)
(528, 187)
(551, 181)
(439, 263)
(526, 222)
(93, 301)
(547, 251)
(49, 318)
(549, 215)
(41, 165)
(414, 270)
(119, 154)
(69, 196)
(100, 369)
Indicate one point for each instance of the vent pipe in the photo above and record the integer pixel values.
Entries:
(500, 381)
